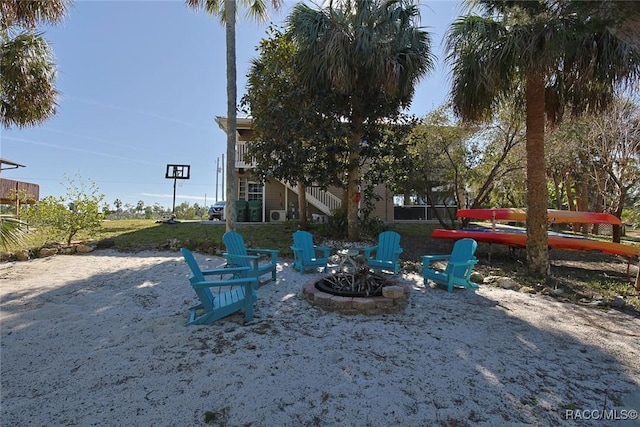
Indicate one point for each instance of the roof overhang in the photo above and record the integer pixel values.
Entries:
(241, 123)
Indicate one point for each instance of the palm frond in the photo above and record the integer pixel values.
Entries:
(28, 13)
(11, 230)
(365, 50)
(27, 89)
(255, 9)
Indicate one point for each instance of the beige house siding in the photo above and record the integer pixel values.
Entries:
(277, 197)
(383, 208)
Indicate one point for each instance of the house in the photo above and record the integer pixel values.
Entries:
(279, 200)
(276, 201)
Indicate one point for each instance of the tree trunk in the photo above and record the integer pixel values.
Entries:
(617, 229)
(302, 205)
(231, 193)
(537, 195)
(353, 195)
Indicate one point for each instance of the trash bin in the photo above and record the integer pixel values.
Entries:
(255, 210)
(241, 211)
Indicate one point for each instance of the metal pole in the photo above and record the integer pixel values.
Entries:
(223, 176)
(173, 210)
(217, 173)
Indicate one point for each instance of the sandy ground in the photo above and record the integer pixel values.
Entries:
(99, 339)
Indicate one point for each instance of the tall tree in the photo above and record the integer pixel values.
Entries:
(615, 138)
(226, 10)
(557, 57)
(292, 140)
(370, 54)
(27, 68)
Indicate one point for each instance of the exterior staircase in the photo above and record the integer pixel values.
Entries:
(324, 201)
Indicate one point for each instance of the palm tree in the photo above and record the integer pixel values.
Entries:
(27, 70)
(370, 54)
(558, 59)
(226, 10)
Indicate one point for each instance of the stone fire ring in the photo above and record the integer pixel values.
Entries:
(394, 299)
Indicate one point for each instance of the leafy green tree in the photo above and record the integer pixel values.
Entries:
(439, 165)
(553, 54)
(368, 54)
(226, 10)
(293, 141)
(27, 69)
(66, 216)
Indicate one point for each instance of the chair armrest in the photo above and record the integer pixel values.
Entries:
(226, 282)
(225, 270)
(272, 252)
(471, 262)
(253, 259)
(426, 259)
(326, 251)
(368, 250)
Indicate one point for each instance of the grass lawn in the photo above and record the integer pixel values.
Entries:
(576, 276)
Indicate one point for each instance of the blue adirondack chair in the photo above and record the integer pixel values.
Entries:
(219, 297)
(459, 266)
(238, 255)
(306, 255)
(386, 254)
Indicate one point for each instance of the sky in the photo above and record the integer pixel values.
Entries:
(141, 83)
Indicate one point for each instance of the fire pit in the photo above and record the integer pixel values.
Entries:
(360, 292)
(361, 284)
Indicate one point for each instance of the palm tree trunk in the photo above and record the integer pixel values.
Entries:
(230, 26)
(537, 195)
(353, 196)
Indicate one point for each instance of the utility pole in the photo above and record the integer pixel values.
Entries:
(223, 186)
(217, 173)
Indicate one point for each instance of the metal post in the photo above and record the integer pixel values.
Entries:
(217, 173)
(223, 178)
(173, 210)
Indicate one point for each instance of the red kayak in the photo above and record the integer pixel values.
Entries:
(518, 239)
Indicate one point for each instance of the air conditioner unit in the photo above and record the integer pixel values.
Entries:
(279, 215)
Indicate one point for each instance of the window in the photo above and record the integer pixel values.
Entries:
(249, 190)
(255, 191)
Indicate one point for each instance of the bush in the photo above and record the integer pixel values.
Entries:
(66, 216)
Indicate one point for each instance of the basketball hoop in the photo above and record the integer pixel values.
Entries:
(177, 172)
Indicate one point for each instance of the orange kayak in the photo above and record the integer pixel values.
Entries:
(555, 216)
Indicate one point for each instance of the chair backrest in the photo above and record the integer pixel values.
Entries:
(304, 240)
(193, 264)
(463, 251)
(204, 294)
(235, 246)
(388, 244)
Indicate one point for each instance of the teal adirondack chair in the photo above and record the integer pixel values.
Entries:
(219, 297)
(238, 255)
(459, 266)
(306, 255)
(386, 254)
